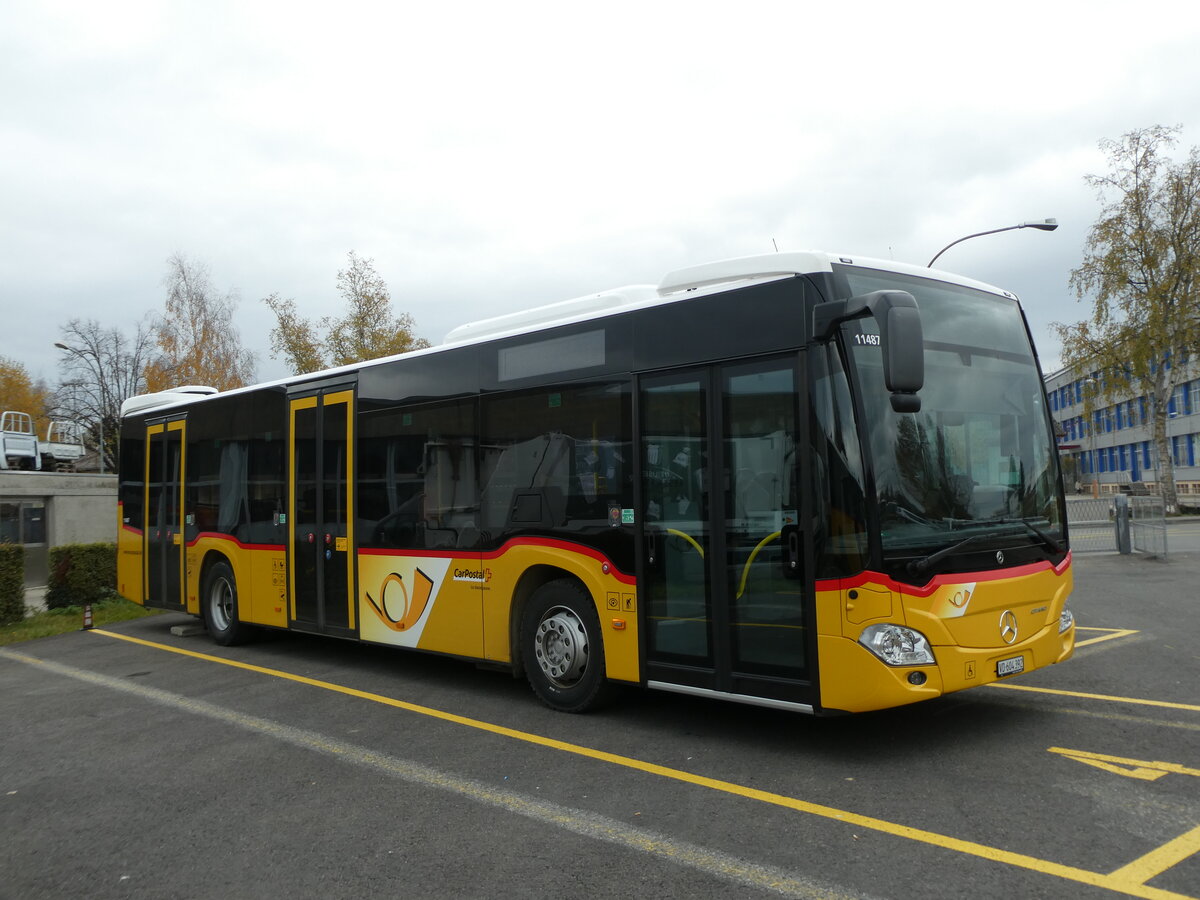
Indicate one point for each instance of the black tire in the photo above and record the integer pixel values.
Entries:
(219, 606)
(562, 648)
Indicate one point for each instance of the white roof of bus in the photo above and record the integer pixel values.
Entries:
(707, 278)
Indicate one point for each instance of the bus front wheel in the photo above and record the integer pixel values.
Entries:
(562, 647)
(220, 607)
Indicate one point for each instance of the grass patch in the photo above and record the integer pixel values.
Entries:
(70, 618)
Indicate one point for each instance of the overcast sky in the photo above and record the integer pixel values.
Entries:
(492, 156)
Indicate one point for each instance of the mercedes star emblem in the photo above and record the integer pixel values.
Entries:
(1008, 626)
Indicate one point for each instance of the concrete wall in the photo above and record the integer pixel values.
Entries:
(79, 509)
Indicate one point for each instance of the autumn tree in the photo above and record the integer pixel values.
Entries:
(368, 329)
(295, 339)
(1141, 268)
(100, 368)
(196, 337)
(20, 393)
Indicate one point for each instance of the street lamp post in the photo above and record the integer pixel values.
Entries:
(100, 382)
(1044, 225)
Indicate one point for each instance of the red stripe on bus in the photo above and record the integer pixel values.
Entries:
(954, 578)
(217, 536)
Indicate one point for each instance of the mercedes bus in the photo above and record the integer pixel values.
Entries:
(806, 481)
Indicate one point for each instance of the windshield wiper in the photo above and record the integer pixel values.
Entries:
(1046, 538)
(921, 566)
(903, 512)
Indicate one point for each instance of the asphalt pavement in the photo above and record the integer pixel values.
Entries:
(135, 762)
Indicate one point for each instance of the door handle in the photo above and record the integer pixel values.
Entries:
(791, 552)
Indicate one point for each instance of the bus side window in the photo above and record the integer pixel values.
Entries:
(554, 460)
(417, 477)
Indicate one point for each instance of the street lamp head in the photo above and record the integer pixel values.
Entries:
(1044, 225)
(61, 346)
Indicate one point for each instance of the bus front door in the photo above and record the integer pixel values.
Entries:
(321, 513)
(725, 604)
(163, 535)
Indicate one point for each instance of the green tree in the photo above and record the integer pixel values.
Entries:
(197, 341)
(368, 330)
(1141, 267)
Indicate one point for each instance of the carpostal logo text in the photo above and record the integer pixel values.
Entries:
(478, 576)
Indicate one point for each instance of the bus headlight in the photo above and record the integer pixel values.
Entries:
(897, 645)
(1066, 620)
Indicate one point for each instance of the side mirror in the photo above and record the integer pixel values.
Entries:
(900, 333)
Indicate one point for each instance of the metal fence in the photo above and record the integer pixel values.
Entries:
(1095, 524)
(1090, 520)
(1148, 525)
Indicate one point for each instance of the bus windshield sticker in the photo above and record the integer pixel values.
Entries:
(858, 337)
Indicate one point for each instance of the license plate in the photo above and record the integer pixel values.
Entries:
(1011, 666)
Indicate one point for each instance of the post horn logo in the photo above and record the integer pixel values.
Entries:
(397, 608)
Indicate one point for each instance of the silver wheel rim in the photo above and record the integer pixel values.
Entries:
(560, 646)
(220, 604)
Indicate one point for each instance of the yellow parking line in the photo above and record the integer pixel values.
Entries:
(1122, 880)
(1192, 707)
(1158, 861)
(1110, 634)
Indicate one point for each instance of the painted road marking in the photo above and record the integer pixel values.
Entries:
(1124, 880)
(1109, 634)
(742, 873)
(1192, 707)
(1160, 859)
(1130, 768)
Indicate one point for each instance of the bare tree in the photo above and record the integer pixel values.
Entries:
(197, 341)
(101, 368)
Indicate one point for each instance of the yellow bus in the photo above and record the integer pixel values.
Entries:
(804, 481)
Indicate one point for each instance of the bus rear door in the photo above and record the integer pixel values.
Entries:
(164, 549)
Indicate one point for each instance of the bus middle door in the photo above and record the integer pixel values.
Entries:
(321, 512)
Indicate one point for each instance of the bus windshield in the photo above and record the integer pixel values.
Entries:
(978, 460)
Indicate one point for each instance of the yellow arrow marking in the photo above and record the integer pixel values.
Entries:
(1130, 768)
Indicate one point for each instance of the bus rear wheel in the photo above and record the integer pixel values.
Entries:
(220, 606)
(562, 648)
